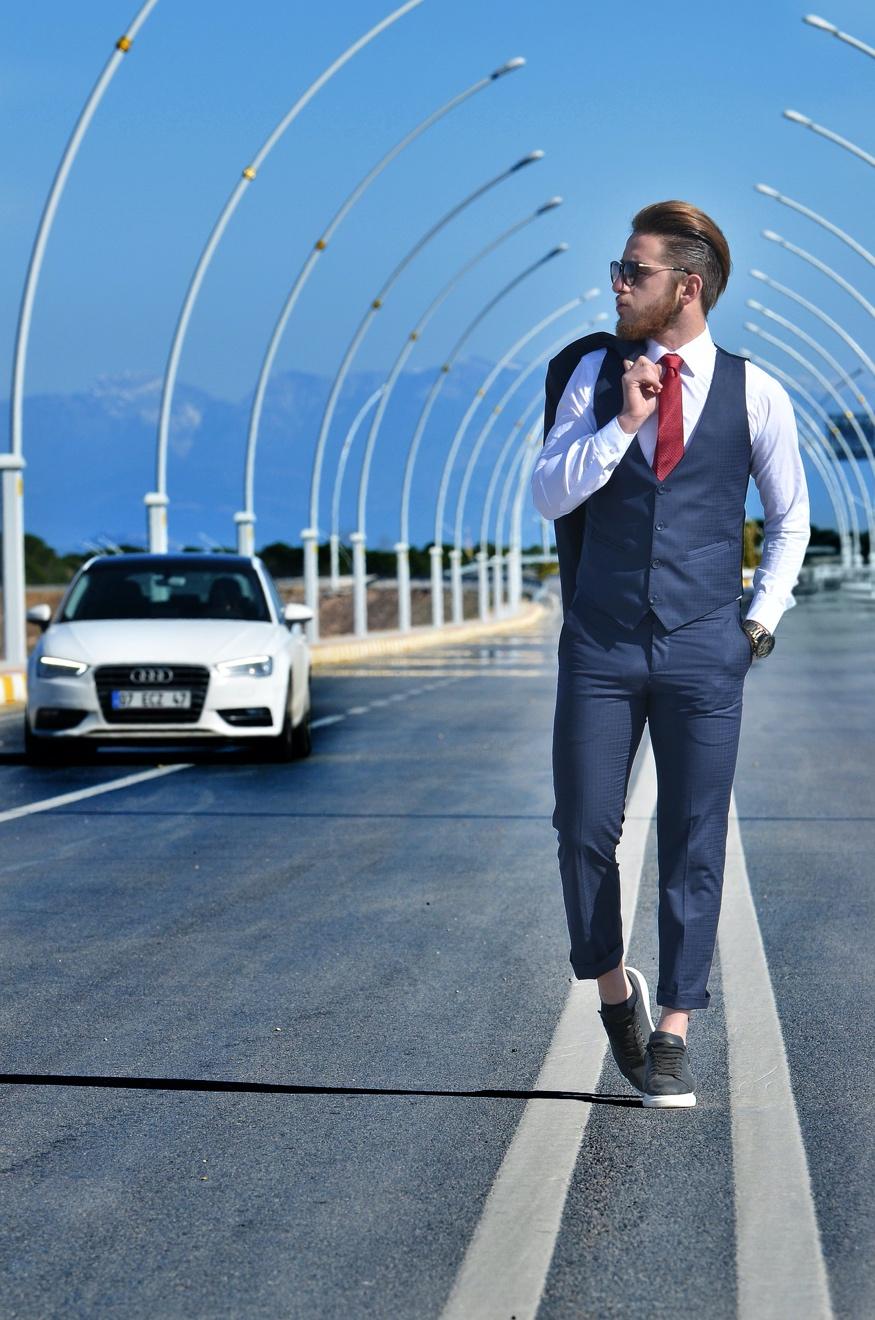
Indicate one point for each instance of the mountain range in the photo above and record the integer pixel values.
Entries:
(91, 458)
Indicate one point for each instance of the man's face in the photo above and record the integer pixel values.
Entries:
(652, 304)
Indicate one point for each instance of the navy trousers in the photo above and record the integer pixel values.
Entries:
(687, 684)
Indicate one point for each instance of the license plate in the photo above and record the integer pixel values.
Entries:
(151, 699)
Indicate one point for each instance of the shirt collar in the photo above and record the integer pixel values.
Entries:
(698, 354)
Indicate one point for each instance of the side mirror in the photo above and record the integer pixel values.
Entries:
(294, 613)
(41, 615)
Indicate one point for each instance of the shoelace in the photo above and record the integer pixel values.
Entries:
(667, 1056)
(627, 1036)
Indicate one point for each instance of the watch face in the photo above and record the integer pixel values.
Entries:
(765, 646)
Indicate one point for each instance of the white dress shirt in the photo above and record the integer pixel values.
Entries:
(577, 460)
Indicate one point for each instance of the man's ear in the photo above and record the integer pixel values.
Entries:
(693, 287)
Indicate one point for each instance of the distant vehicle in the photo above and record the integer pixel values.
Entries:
(165, 648)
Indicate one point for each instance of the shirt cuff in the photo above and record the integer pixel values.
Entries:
(613, 436)
(766, 609)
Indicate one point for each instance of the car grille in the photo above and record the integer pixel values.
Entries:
(195, 678)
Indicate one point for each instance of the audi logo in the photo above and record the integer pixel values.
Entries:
(151, 675)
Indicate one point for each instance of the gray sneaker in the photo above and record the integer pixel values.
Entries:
(668, 1082)
(628, 1031)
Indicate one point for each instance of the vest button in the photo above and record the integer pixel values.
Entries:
(660, 490)
(660, 527)
(653, 599)
(656, 563)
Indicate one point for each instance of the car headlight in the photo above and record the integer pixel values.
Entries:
(251, 666)
(54, 666)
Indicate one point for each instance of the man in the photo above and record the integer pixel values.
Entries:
(651, 436)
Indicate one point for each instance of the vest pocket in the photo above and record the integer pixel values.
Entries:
(711, 549)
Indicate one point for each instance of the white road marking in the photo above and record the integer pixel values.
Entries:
(64, 799)
(505, 1267)
(326, 719)
(780, 1265)
(357, 710)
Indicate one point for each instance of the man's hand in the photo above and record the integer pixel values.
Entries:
(642, 384)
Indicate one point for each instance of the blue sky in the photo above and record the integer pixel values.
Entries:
(630, 107)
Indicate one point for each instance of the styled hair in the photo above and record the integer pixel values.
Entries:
(691, 239)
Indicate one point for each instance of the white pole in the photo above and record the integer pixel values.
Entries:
(319, 247)
(365, 324)
(814, 21)
(15, 647)
(796, 118)
(416, 334)
(359, 585)
(437, 585)
(247, 176)
(402, 554)
(852, 243)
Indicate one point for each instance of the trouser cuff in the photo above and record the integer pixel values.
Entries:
(588, 971)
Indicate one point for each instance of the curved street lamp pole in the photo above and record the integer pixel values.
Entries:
(359, 536)
(807, 440)
(515, 540)
(436, 550)
(156, 501)
(826, 427)
(486, 430)
(536, 404)
(402, 547)
(334, 535)
(310, 534)
(814, 21)
(827, 385)
(246, 519)
(839, 370)
(821, 266)
(828, 225)
(796, 118)
(821, 315)
(517, 464)
(12, 463)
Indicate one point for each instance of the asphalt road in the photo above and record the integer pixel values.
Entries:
(378, 931)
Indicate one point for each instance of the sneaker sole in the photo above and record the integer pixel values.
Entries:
(668, 1101)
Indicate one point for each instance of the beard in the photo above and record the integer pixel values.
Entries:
(650, 322)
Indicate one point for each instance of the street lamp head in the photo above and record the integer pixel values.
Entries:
(758, 275)
(558, 249)
(745, 352)
(795, 116)
(527, 160)
(516, 63)
(813, 21)
(550, 205)
(772, 236)
(600, 316)
(755, 306)
(766, 189)
(589, 295)
(752, 327)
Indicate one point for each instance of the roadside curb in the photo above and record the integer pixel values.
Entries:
(397, 643)
(13, 686)
(13, 682)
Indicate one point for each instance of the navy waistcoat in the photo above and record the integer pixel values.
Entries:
(675, 546)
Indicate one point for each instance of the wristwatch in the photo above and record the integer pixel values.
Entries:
(761, 640)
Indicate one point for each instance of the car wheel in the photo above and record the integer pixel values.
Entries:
(301, 737)
(293, 741)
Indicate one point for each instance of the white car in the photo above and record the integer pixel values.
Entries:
(169, 647)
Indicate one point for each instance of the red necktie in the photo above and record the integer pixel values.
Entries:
(670, 430)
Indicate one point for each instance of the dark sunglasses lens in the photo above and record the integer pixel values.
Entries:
(625, 271)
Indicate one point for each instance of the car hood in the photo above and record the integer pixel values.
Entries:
(160, 641)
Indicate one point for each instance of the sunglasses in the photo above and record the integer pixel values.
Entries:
(630, 271)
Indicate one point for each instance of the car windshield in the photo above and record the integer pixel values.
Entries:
(169, 589)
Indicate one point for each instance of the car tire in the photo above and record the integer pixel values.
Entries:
(293, 742)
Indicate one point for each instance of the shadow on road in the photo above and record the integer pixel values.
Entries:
(283, 1088)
